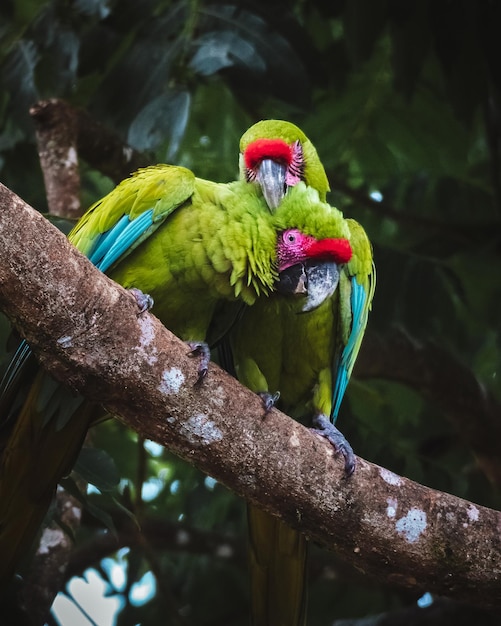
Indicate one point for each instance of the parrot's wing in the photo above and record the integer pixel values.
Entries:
(356, 291)
(111, 229)
(117, 224)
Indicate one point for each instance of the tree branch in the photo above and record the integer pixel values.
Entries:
(47, 573)
(86, 331)
(64, 131)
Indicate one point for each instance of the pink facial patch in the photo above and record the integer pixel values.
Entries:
(274, 149)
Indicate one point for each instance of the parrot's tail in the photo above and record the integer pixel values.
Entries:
(277, 557)
(36, 455)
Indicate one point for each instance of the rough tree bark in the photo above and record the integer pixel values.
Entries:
(384, 524)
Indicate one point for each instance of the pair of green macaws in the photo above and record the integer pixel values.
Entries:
(302, 273)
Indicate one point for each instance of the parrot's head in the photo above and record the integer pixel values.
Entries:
(310, 267)
(277, 155)
(293, 247)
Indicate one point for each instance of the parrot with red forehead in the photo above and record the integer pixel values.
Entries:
(276, 155)
(300, 361)
(189, 244)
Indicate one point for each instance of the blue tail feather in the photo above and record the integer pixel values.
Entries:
(346, 360)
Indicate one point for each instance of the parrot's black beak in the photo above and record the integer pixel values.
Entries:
(271, 177)
(317, 280)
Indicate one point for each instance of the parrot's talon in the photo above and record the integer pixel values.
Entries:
(325, 428)
(202, 350)
(143, 300)
(269, 400)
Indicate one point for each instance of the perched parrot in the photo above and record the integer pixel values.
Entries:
(188, 244)
(307, 357)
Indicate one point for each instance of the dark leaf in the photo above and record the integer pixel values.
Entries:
(164, 117)
(220, 49)
(98, 468)
(99, 513)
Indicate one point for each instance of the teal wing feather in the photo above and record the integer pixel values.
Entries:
(356, 292)
(114, 226)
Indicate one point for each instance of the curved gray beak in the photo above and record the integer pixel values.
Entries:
(317, 280)
(271, 177)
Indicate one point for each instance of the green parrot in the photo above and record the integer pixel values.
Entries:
(307, 356)
(188, 244)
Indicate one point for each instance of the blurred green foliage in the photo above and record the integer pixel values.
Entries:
(402, 102)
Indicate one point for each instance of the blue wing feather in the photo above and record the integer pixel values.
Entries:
(348, 355)
(106, 240)
(120, 239)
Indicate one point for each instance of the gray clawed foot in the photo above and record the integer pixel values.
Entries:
(324, 427)
(202, 350)
(269, 399)
(144, 301)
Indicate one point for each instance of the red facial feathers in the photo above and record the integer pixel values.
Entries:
(274, 149)
(339, 250)
(296, 247)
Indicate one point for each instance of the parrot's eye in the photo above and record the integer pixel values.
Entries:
(289, 236)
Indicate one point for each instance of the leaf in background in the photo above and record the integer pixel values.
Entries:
(411, 42)
(285, 72)
(216, 123)
(99, 8)
(100, 514)
(220, 49)
(164, 117)
(140, 69)
(363, 24)
(26, 11)
(59, 48)
(460, 49)
(98, 468)
(18, 79)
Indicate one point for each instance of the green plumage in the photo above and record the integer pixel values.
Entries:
(302, 355)
(187, 242)
(221, 245)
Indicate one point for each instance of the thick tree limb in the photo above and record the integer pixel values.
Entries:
(86, 330)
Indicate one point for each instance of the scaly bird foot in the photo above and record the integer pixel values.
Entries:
(144, 301)
(325, 428)
(269, 399)
(202, 350)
